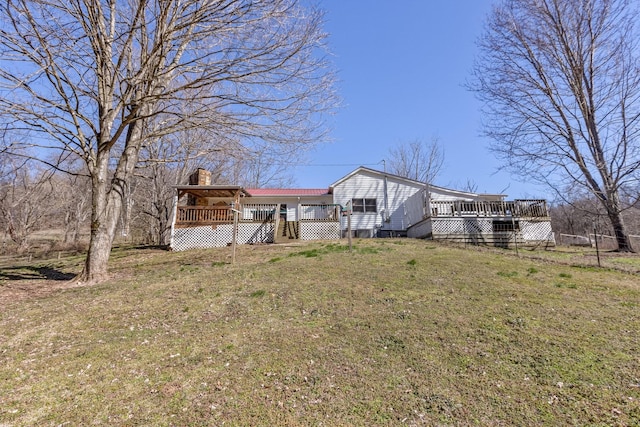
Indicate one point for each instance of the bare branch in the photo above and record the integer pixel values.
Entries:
(561, 84)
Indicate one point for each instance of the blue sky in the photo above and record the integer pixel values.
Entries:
(402, 67)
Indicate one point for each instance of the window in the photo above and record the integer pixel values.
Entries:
(364, 205)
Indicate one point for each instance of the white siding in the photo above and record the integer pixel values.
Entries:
(372, 185)
(361, 186)
(415, 207)
(420, 230)
(292, 212)
(399, 194)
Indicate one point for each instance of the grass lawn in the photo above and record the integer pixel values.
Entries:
(399, 332)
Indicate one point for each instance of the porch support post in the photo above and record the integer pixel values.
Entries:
(234, 237)
(173, 220)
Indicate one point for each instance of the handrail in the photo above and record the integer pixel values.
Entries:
(223, 214)
(203, 214)
(257, 212)
(320, 212)
(515, 208)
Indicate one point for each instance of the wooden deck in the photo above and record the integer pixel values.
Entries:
(510, 209)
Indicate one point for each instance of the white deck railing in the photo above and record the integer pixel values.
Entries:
(320, 212)
(258, 213)
(516, 208)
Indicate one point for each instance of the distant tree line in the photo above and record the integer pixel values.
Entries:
(584, 214)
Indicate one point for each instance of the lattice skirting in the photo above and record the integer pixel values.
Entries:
(537, 231)
(316, 230)
(462, 226)
(481, 229)
(221, 235)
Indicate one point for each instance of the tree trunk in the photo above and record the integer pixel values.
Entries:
(614, 212)
(106, 206)
(95, 267)
(620, 231)
(107, 198)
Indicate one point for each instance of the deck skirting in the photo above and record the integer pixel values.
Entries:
(208, 236)
(486, 230)
(319, 230)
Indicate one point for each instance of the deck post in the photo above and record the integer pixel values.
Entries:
(234, 237)
(277, 225)
(173, 220)
(515, 233)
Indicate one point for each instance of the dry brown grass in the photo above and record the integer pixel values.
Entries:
(400, 332)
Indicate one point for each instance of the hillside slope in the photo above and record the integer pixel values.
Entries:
(399, 332)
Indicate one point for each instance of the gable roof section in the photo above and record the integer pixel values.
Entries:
(287, 192)
(411, 182)
(379, 173)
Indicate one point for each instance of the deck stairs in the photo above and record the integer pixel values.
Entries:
(287, 230)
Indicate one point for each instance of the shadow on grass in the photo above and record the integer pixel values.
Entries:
(159, 247)
(34, 273)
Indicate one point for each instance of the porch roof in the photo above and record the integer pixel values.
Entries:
(230, 191)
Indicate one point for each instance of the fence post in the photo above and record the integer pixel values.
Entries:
(515, 233)
(595, 237)
(349, 225)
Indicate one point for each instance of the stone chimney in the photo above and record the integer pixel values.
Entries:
(200, 177)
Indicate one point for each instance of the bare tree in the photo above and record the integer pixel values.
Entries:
(561, 85)
(265, 168)
(23, 204)
(578, 215)
(469, 186)
(73, 198)
(97, 79)
(418, 160)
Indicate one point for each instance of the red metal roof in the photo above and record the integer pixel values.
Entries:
(274, 192)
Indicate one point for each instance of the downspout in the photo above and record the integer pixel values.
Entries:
(427, 204)
(385, 218)
(386, 201)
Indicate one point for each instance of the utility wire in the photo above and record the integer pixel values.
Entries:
(326, 164)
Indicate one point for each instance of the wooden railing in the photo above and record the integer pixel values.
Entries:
(259, 213)
(320, 212)
(203, 215)
(516, 208)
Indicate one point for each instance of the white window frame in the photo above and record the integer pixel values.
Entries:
(365, 205)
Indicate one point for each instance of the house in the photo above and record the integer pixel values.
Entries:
(207, 215)
(379, 204)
